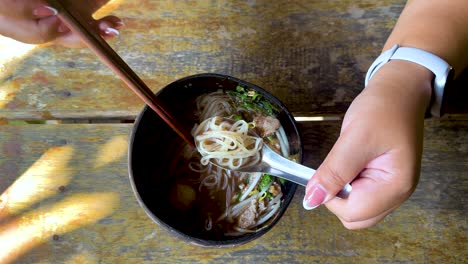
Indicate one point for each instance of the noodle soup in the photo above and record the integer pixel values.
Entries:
(197, 201)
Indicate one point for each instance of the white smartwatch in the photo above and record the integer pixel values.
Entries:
(438, 66)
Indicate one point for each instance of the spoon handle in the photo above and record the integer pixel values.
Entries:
(292, 171)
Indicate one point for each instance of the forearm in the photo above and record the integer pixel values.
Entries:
(437, 26)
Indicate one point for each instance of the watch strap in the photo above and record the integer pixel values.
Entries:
(435, 64)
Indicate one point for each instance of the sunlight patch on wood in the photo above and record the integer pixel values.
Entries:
(30, 230)
(84, 257)
(111, 151)
(12, 51)
(107, 8)
(43, 179)
(8, 92)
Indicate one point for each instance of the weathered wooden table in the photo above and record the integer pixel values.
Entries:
(65, 121)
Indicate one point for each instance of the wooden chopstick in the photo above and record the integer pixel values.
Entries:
(78, 24)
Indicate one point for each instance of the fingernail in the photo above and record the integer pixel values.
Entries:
(45, 11)
(315, 197)
(119, 23)
(111, 31)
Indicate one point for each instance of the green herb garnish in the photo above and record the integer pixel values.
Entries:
(253, 101)
(237, 117)
(281, 181)
(265, 182)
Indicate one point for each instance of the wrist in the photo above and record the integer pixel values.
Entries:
(403, 80)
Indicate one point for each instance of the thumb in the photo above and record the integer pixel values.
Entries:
(345, 161)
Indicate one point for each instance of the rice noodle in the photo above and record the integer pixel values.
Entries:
(237, 209)
(225, 181)
(209, 181)
(197, 167)
(240, 207)
(229, 145)
(214, 104)
(254, 178)
(228, 196)
(267, 216)
(208, 223)
(276, 199)
(283, 140)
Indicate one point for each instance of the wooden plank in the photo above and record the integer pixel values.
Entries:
(79, 172)
(311, 54)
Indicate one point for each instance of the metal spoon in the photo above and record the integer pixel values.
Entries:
(274, 164)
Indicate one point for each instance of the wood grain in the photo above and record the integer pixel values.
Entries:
(311, 54)
(89, 160)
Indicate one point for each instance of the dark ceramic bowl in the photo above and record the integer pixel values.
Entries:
(153, 145)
